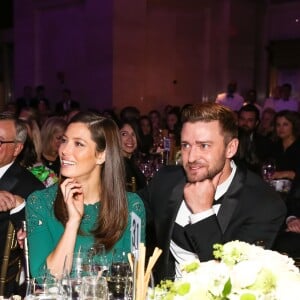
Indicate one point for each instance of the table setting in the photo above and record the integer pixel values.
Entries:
(94, 277)
(240, 271)
(282, 185)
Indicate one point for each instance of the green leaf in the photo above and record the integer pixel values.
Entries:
(227, 288)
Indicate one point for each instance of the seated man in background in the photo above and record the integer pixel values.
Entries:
(16, 183)
(288, 241)
(209, 199)
(253, 148)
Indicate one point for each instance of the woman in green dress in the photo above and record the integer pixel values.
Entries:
(89, 206)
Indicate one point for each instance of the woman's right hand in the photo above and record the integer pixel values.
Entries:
(73, 197)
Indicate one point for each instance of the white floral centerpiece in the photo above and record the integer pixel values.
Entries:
(241, 272)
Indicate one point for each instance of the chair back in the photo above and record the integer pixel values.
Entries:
(131, 186)
(11, 267)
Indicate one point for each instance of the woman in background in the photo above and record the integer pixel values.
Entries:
(286, 150)
(129, 144)
(30, 157)
(89, 206)
(146, 136)
(173, 124)
(156, 123)
(266, 126)
(51, 134)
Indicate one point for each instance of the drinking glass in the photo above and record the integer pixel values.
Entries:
(44, 288)
(98, 260)
(30, 290)
(120, 277)
(81, 264)
(71, 280)
(146, 168)
(94, 288)
(268, 169)
(71, 287)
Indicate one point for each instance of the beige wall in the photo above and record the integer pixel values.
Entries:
(182, 53)
(163, 53)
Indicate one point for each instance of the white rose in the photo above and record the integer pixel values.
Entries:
(288, 285)
(244, 274)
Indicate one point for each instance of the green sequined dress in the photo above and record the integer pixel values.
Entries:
(44, 230)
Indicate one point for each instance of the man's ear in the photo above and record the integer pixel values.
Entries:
(18, 148)
(101, 158)
(232, 148)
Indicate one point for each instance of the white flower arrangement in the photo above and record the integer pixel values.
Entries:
(241, 272)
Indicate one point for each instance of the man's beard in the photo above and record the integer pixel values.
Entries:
(209, 174)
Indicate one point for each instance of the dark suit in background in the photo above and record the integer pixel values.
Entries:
(132, 170)
(289, 241)
(63, 107)
(18, 181)
(67, 104)
(250, 211)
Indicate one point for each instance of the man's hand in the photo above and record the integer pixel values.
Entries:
(294, 225)
(284, 174)
(199, 196)
(8, 201)
(21, 235)
(19, 200)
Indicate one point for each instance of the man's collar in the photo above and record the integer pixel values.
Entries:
(223, 187)
(5, 168)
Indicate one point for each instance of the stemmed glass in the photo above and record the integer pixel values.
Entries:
(72, 279)
(44, 288)
(120, 279)
(268, 169)
(94, 288)
(146, 166)
(99, 264)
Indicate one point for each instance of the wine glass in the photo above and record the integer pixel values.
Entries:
(44, 288)
(72, 279)
(30, 289)
(94, 288)
(268, 169)
(80, 264)
(99, 263)
(120, 279)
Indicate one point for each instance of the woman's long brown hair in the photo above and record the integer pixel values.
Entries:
(113, 211)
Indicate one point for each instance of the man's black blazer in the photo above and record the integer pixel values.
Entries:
(251, 211)
(18, 181)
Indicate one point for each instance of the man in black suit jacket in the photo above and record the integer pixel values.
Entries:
(180, 200)
(16, 183)
(288, 241)
(254, 149)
